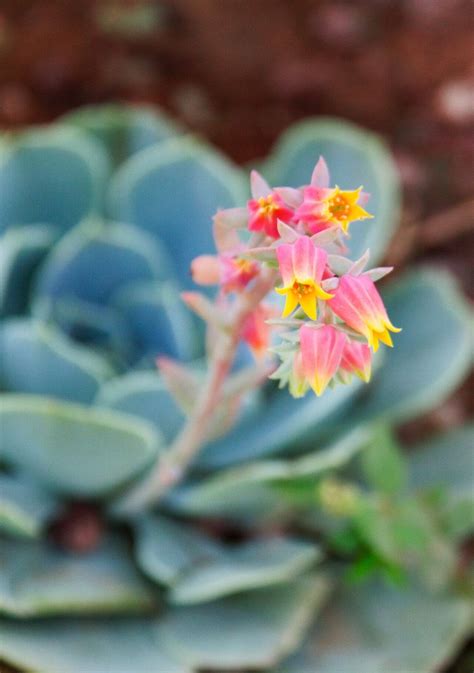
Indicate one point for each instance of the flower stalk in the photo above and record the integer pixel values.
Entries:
(332, 317)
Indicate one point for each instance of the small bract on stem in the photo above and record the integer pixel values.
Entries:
(332, 321)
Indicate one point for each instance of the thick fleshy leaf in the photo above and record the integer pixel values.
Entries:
(165, 548)
(198, 569)
(113, 645)
(250, 630)
(123, 130)
(53, 175)
(36, 358)
(355, 157)
(376, 628)
(24, 506)
(447, 463)
(255, 564)
(38, 579)
(287, 425)
(21, 249)
(143, 394)
(74, 449)
(98, 258)
(172, 191)
(250, 490)
(431, 355)
(158, 321)
(102, 327)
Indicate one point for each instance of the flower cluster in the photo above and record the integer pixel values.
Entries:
(333, 317)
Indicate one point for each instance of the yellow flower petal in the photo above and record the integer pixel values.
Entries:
(309, 305)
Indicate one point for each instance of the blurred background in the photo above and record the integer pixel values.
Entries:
(240, 71)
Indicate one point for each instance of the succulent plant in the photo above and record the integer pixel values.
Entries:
(100, 217)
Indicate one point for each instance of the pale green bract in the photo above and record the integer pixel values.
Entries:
(100, 216)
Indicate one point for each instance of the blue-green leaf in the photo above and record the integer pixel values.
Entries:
(377, 628)
(123, 130)
(198, 569)
(36, 358)
(85, 646)
(355, 157)
(98, 258)
(431, 355)
(38, 579)
(53, 175)
(287, 424)
(250, 630)
(74, 449)
(143, 394)
(21, 249)
(158, 321)
(172, 191)
(24, 506)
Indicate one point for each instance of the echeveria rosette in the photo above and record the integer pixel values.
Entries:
(101, 215)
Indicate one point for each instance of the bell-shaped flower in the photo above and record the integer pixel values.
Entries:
(357, 359)
(266, 207)
(302, 268)
(321, 351)
(357, 302)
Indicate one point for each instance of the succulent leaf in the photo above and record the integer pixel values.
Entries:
(74, 449)
(54, 175)
(250, 630)
(376, 628)
(38, 579)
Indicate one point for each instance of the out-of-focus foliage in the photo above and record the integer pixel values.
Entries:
(100, 216)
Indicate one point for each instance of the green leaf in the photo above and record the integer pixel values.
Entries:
(355, 157)
(85, 646)
(376, 628)
(24, 506)
(74, 449)
(383, 463)
(55, 175)
(21, 249)
(38, 359)
(38, 579)
(251, 630)
(250, 490)
(447, 463)
(172, 190)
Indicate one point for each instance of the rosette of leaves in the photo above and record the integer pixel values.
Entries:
(100, 215)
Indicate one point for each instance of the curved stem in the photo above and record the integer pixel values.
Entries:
(173, 464)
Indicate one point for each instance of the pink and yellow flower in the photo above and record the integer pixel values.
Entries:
(236, 272)
(323, 208)
(321, 352)
(357, 302)
(357, 359)
(266, 208)
(232, 272)
(302, 267)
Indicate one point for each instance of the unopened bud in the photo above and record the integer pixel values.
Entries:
(205, 270)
